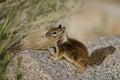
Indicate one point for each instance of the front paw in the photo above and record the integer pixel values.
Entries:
(53, 58)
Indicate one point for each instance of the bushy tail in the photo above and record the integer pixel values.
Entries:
(98, 55)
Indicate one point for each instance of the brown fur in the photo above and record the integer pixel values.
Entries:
(98, 55)
(74, 51)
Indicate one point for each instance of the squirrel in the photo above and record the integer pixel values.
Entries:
(75, 51)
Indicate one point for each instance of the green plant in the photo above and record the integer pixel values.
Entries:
(19, 75)
(5, 38)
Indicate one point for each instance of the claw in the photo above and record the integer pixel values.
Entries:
(80, 70)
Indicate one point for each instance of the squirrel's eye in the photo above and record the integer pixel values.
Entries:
(54, 33)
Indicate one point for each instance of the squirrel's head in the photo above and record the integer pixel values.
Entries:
(56, 33)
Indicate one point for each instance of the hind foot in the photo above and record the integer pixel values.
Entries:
(80, 70)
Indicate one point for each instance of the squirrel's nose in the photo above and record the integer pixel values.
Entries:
(46, 34)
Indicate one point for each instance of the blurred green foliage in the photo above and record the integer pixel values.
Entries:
(5, 38)
(19, 75)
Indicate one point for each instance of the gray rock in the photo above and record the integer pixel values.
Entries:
(36, 64)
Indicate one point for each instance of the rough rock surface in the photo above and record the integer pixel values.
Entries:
(36, 64)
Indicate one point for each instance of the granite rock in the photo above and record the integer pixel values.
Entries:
(36, 64)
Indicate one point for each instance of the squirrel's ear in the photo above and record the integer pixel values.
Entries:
(60, 26)
(63, 27)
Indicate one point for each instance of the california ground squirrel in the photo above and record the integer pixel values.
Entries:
(74, 51)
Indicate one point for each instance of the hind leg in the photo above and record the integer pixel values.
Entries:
(81, 67)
